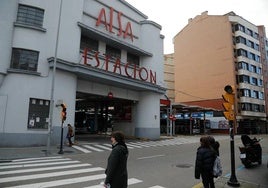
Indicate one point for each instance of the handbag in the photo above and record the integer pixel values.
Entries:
(217, 167)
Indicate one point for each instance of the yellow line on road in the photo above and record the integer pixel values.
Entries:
(199, 185)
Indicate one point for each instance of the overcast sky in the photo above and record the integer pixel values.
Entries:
(173, 15)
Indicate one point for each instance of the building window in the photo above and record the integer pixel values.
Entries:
(243, 79)
(30, 15)
(24, 59)
(38, 116)
(243, 65)
(89, 43)
(245, 92)
(261, 95)
(133, 59)
(249, 32)
(242, 52)
(113, 52)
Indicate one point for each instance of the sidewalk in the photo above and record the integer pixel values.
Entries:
(8, 154)
(222, 183)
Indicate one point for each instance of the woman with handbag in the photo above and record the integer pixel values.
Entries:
(204, 163)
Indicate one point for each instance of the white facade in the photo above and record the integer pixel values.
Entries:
(115, 23)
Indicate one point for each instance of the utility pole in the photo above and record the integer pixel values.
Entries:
(51, 107)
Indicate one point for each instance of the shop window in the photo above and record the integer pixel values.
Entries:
(89, 43)
(133, 59)
(24, 59)
(29, 15)
(113, 52)
(38, 116)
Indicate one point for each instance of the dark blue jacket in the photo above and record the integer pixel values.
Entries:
(205, 158)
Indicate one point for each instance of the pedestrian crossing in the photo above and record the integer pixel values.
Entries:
(55, 172)
(89, 147)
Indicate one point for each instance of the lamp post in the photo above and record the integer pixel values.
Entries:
(51, 107)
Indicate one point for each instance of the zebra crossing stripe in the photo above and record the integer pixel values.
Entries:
(10, 165)
(157, 186)
(36, 161)
(92, 148)
(103, 147)
(142, 144)
(81, 149)
(47, 175)
(43, 169)
(131, 181)
(133, 145)
(31, 159)
(62, 182)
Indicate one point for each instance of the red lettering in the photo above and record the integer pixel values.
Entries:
(140, 74)
(130, 70)
(107, 62)
(126, 69)
(128, 31)
(135, 70)
(117, 65)
(85, 56)
(152, 77)
(120, 30)
(100, 20)
(111, 20)
(97, 59)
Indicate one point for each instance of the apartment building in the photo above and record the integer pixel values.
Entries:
(169, 76)
(213, 51)
(101, 58)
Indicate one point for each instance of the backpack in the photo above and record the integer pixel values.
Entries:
(217, 168)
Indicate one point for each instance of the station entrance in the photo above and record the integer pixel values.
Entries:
(96, 114)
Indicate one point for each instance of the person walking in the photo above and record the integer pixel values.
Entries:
(116, 171)
(205, 158)
(215, 145)
(70, 134)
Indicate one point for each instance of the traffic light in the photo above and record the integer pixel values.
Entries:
(63, 112)
(228, 103)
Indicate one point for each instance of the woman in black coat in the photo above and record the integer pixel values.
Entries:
(205, 158)
(116, 171)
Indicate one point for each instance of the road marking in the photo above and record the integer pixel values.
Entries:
(149, 157)
(37, 161)
(8, 166)
(92, 148)
(62, 182)
(81, 149)
(43, 169)
(130, 181)
(157, 186)
(32, 159)
(133, 145)
(47, 175)
(103, 147)
(199, 185)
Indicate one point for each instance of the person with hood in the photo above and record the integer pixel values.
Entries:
(116, 171)
(204, 163)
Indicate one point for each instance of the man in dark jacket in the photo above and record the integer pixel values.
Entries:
(116, 171)
(205, 158)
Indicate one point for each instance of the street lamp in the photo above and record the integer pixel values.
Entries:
(51, 107)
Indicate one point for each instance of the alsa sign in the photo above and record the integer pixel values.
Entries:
(109, 23)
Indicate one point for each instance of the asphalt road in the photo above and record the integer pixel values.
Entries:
(167, 163)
